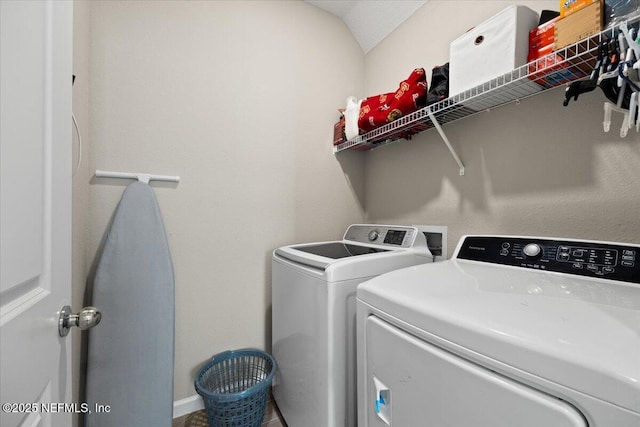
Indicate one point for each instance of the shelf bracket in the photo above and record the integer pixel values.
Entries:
(446, 140)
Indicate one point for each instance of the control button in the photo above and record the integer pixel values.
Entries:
(627, 263)
(628, 252)
(373, 235)
(504, 252)
(628, 257)
(578, 253)
(577, 265)
(563, 256)
(505, 245)
(608, 270)
(564, 249)
(532, 250)
(592, 267)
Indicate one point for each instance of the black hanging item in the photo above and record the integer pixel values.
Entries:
(604, 75)
(603, 64)
(577, 88)
(439, 89)
(583, 86)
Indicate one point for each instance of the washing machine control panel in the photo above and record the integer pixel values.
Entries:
(583, 258)
(392, 236)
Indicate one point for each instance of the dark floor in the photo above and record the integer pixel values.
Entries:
(272, 418)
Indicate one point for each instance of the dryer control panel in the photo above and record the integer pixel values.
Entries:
(584, 258)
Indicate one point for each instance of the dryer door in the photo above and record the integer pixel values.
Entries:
(413, 383)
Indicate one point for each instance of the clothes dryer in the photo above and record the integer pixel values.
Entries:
(512, 331)
(313, 313)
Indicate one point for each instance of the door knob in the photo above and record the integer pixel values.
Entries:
(87, 318)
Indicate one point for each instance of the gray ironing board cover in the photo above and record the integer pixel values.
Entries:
(131, 352)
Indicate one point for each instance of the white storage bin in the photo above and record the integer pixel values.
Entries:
(491, 49)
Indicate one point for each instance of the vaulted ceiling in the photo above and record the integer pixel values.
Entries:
(370, 21)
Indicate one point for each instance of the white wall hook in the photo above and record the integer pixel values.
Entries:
(633, 106)
(608, 108)
(142, 177)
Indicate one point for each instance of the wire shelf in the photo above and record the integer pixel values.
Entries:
(566, 65)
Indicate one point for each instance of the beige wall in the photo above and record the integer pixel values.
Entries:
(536, 168)
(239, 99)
(81, 174)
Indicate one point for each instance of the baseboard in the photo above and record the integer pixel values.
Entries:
(187, 405)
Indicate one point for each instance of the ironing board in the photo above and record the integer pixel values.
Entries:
(131, 353)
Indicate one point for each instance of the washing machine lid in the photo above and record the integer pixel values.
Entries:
(579, 332)
(342, 260)
(322, 255)
(365, 251)
(337, 250)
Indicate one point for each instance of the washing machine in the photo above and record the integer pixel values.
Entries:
(313, 315)
(511, 331)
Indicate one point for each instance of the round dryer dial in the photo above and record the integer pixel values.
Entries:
(532, 250)
(373, 235)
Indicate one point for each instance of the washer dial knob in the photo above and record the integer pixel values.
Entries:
(532, 250)
(373, 235)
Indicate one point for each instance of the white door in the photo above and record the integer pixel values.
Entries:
(35, 210)
(408, 382)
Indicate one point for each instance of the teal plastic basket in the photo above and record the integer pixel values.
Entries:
(235, 387)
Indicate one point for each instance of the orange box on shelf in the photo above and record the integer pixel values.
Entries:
(553, 70)
(567, 7)
(546, 68)
(542, 39)
(338, 132)
(579, 25)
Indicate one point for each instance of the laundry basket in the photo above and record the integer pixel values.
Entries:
(235, 387)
